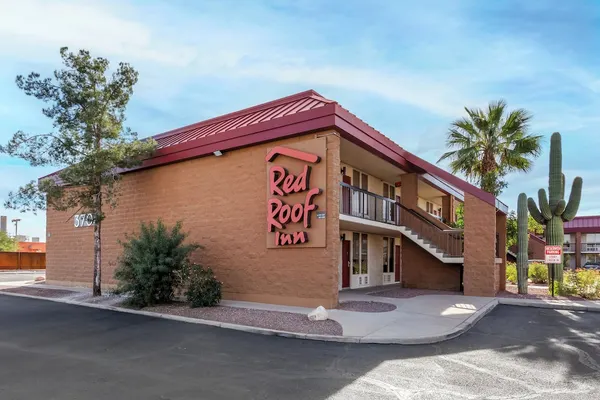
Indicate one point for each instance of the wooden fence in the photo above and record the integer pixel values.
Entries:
(17, 260)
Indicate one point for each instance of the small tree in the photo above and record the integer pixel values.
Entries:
(7, 243)
(87, 108)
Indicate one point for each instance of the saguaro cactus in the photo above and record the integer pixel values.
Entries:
(522, 243)
(555, 212)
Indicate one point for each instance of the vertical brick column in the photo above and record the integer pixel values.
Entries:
(409, 191)
(481, 275)
(501, 231)
(448, 208)
(578, 250)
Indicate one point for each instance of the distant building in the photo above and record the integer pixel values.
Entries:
(22, 238)
(32, 247)
(3, 223)
(582, 241)
(35, 239)
(535, 252)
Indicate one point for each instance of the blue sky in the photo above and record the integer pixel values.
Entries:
(407, 68)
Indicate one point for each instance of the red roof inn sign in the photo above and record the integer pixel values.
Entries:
(292, 198)
(553, 254)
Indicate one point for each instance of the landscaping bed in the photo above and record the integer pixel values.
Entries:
(366, 306)
(41, 292)
(283, 321)
(398, 292)
(537, 293)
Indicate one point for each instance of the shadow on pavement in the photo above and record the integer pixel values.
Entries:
(60, 351)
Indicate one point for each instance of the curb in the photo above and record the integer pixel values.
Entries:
(553, 304)
(451, 334)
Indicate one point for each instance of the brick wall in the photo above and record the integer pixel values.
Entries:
(222, 202)
(423, 271)
(481, 273)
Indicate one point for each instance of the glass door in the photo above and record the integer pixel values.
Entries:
(360, 201)
(389, 192)
(360, 255)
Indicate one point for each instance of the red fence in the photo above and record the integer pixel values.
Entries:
(16, 261)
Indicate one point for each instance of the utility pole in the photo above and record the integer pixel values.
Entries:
(16, 222)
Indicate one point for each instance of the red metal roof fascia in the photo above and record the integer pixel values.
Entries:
(408, 161)
(587, 229)
(289, 126)
(245, 111)
(360, 138)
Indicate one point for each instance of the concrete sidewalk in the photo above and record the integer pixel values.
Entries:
(416, 320)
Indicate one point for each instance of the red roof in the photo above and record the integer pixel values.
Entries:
(587, 224)
(291, 116)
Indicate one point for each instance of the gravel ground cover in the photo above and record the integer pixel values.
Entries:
(366, 306)
(282, 321)
(405, 293)
(42, 292)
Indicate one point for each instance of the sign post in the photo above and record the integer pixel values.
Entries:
(553, 256)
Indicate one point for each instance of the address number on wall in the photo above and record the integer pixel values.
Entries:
(83, 220)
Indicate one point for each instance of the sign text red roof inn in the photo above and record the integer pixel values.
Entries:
(291, 116)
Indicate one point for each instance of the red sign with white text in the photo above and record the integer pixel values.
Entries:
(553, 254)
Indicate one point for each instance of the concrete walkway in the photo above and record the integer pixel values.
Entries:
(421, 319)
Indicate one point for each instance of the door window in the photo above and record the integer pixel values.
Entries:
(388, 255)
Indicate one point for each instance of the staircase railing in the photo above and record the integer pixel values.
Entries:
(364, 204)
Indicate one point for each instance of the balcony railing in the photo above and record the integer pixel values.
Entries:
(363, 204)
(590, 247)
(569, 247)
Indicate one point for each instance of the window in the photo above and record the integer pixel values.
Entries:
(388, 255)
(391, 255)
(385, 254)
(359, 253)
(360, 201)
(355, 253)
(363, 254)
(389, 191)
(389, 207)
(360, 180)
(429, 207)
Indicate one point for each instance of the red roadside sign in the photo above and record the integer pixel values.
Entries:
(553, 254)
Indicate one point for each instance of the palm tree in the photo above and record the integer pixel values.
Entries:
(491, 143)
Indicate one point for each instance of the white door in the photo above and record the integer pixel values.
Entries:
(360, 255)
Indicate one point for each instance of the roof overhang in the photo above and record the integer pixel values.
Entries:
(329, 115)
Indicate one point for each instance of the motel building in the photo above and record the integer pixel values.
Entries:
(582, 242)
(294, 201)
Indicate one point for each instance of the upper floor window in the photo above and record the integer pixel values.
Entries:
(360, 180)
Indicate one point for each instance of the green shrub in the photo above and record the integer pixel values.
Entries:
(511, 272)
(584, 283)
(538, 272)
(153, 264)
(203, 290)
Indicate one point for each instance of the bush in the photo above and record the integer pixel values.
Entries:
(204, 290)
(538, 273)
(153, 264)
(584, 283)
(511, 272)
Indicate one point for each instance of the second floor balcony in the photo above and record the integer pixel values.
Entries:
(585, 247)
(362, 204)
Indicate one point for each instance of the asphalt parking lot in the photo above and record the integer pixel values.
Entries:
(58, 351)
